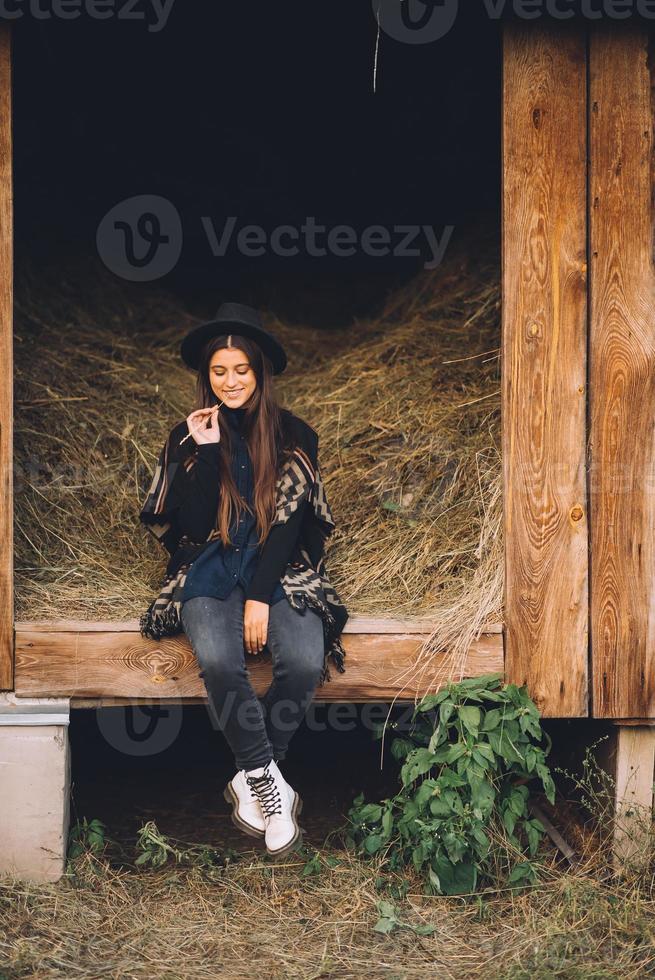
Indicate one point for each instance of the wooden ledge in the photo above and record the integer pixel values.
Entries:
(110, 662)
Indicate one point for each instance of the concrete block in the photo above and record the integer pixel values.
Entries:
(34, 787)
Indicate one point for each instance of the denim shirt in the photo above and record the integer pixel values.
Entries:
(218, 569)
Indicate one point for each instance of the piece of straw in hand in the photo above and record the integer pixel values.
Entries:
(188, 436)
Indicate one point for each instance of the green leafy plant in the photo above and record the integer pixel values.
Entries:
(593, 786)
(156, 849)
(316, 863)
(86, 835)
(462, 810)
(389, 921)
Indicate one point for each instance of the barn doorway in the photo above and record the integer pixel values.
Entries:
(365, 224)
(259, 149)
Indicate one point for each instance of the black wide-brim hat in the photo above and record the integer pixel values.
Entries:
(237, 319)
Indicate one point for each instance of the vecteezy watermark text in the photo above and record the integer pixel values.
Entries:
(424, 21)
(318, 241)
(140, 239)
(154, 13)
(151, 728)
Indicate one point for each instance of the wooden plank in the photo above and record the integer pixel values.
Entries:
(634, 773)
(356, 624)
(544, 364)
(6, 365)
(622, 374)
(87, 664)
(642, 722)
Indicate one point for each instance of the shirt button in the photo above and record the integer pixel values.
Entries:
(243, 466)
(236, 549)
(234, 574)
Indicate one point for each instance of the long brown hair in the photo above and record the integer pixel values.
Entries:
(264, 432)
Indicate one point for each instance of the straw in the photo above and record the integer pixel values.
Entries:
(214, 408)
(406, 403)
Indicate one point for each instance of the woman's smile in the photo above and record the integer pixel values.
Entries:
(231, 366)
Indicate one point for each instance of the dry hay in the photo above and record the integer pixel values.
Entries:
(193, 922)
(407, 405)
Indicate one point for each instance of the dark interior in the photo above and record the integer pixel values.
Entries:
(265, 114)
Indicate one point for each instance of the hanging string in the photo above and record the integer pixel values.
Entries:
(377, 47)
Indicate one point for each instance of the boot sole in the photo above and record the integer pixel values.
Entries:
(296, 840)
(230, 797)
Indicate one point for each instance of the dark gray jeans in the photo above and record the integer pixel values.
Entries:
(256, 730)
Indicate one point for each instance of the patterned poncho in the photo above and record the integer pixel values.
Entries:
(305, 581)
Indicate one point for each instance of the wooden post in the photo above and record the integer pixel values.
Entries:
(35, 779)
(622, 373)
(544, 364)
(6, 366)
(634, 771)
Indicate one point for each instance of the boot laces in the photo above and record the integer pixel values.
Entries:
(266, 792)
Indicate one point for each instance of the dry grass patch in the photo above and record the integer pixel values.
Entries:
(273, 921)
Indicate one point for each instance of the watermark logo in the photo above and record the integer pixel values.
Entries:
(154, 13)
(424, 21)
(141, 730)
(415, 21)
(317, 240)
(140, 239)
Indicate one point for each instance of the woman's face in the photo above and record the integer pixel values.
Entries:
(231, 377)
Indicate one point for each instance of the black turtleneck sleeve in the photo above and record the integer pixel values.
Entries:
(199, 496)
(199, 487)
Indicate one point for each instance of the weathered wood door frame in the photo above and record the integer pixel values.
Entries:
(7, 368)
(579, 333)
(622, 371)
(577, 144)
(544, 364)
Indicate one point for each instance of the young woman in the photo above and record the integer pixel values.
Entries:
(238, 502)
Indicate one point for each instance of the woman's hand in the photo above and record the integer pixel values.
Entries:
(197, 425)
(255, 625)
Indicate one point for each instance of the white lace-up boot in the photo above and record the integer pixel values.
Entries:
(280, 806)
(246, 809)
